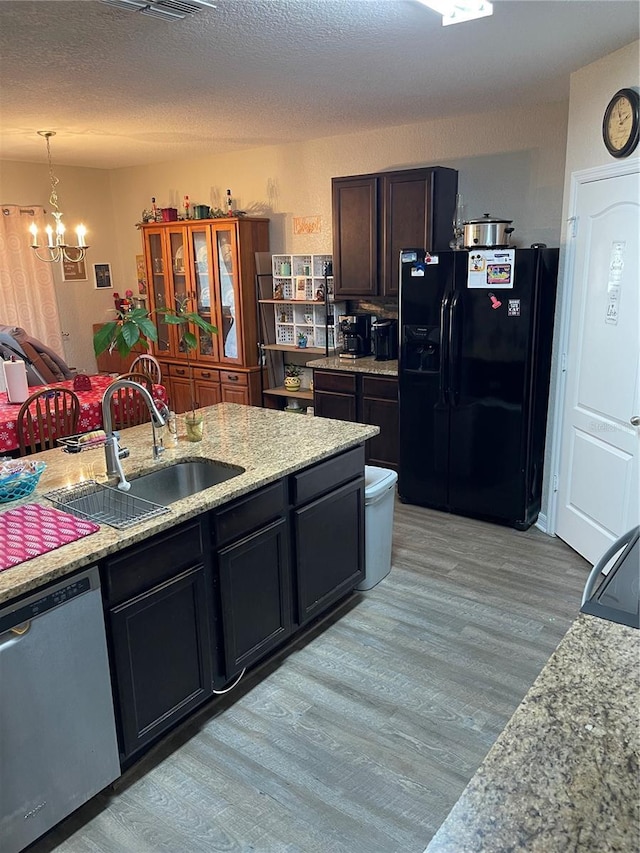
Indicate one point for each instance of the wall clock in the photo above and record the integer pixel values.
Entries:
(621, 123)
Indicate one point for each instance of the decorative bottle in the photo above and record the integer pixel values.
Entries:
(229, 205)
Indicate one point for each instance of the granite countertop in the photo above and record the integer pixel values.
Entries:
(268, 444)
(563, 775)
(356, 365)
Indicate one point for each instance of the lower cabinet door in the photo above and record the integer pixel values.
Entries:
(329, 542)
(162, 656)
(255, 593)
(342, 407)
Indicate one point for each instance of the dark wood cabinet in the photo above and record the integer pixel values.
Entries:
(334, 395)
(328, 531)
(159, 618)
(162, 657)
(191, 607)
(379, 406)
(364, 398)
(376, 215)
(329, 543)
(255, 591)
(253, 577)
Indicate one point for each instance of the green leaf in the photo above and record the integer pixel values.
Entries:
(130, 334)
(147, 328)
(190, 340)
(204, 325)
(103, 337)
(174, 320)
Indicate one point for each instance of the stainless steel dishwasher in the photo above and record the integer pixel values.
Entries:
(58, 743)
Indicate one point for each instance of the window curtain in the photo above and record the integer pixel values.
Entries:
(27, 295)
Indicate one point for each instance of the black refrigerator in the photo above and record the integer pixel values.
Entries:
(476, 331)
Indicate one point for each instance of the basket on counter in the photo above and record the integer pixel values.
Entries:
(18, 478)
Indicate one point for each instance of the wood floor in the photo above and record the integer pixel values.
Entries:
(362, 737)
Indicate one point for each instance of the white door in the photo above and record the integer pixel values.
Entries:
(598, 479)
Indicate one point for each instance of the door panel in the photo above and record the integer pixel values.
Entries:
(598, 477)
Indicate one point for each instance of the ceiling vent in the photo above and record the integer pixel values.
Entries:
(168, 10)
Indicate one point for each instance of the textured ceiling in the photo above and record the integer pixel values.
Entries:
(123, 89)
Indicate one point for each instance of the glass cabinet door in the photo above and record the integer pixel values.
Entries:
(179, 276)
(161, 288)
(225, 251)
(204, 301)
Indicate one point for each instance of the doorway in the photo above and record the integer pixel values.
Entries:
(597, 440)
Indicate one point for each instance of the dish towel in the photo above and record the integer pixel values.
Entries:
(31, 530)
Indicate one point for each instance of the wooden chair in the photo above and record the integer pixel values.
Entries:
(128, 407)
(46, 416)
(149, 365)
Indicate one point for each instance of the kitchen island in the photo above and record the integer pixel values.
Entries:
(269, 445)
(174, 609)
(564, 773)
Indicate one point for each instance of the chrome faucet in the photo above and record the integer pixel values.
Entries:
(112, 450)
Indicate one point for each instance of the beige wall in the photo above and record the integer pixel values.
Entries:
(511, 164)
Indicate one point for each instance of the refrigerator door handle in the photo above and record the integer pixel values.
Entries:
(444, 350)
(453, 347)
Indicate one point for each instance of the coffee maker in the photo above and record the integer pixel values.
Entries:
(385, 339)
(356, 335)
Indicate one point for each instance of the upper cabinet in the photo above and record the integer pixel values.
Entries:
(377, 215)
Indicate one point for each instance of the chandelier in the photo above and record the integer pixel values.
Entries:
(57, 249)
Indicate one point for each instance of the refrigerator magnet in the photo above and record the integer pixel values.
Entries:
(491, 268)
(513, 308)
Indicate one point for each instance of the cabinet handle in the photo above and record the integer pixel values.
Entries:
(206, 375)
(180, 371)
(232, 378)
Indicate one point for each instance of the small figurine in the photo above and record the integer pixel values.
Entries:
(277, 291)
(186, 207)
(229, 208)
(320, 293)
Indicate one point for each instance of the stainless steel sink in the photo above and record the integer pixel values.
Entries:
(149, 495)
(166, 485)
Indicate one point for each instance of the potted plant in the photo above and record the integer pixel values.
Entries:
(183, 318)
(136, 327)
(292, 373)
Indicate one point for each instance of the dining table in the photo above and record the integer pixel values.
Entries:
(90, 407)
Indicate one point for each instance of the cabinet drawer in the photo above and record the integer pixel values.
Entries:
(249, 513)
(233, 378)
(205, 374)
(327, 475)
(384, 389)
(140, 568)
(344, 383)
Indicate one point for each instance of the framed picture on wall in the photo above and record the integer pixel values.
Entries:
(141, 274)
(102, 276)
(74, 270)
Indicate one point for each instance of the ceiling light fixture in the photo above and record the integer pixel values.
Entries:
(457, 11)
(56, 247)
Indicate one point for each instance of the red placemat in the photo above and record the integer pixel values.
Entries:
(30, 530)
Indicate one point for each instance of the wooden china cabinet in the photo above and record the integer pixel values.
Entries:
(210, 264)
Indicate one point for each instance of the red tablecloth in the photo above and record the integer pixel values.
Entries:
(90, 408)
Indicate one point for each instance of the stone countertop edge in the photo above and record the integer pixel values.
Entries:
(355, 365)
(563, 775)
(268, 444)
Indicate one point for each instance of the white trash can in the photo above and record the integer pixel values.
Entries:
(379, 490)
